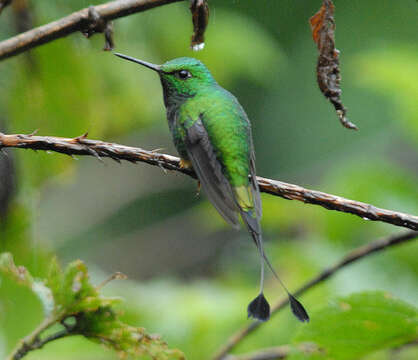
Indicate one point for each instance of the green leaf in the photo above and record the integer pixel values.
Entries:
(355, 326)
(22, 276)
(104, 327)
(17, 273)
(69, 298)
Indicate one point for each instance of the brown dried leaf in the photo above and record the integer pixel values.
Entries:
(328, 71)
(200, 16)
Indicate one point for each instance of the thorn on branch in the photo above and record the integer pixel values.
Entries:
(200, 17)
(161, 167)
(34, 132)
(115, 158)
(157, 150)
(94, 153)
(79, 139)
(96, 24)
(328, 67)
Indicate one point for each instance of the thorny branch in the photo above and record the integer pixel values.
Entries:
(78, 21)
(353, 256)
(83, 146)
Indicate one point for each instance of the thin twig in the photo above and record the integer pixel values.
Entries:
(115, 276)
(352, 256)
(33, 341)
(77, 21)
(99, 149)
(38, 344)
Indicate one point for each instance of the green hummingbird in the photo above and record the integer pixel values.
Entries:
(212, 134)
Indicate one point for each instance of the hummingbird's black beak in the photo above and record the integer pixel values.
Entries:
(154, 67)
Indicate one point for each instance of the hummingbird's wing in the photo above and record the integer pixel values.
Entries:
(252, 218)
(209, 171)
(254, 184)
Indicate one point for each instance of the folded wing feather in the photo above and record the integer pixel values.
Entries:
(209, 171)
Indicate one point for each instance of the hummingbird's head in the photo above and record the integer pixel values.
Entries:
(181, 77)
(185, 76)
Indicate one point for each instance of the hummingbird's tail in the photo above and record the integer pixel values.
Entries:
(259, 308)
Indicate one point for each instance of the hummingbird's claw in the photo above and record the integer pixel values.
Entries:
(185, 164)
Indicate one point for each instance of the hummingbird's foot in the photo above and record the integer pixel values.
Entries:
(198, 188)
(185, 164)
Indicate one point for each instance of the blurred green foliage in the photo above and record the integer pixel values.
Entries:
(357, 325)
(191, 277)
(70, 301)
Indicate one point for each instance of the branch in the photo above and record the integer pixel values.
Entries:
(100, 323)
(83, 146)
(34, 342)
(38, 344)
(353, 256)
(77, 21)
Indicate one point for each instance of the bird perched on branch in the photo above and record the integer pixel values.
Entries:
(212, 134)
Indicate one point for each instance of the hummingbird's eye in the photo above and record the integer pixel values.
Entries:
(183, 74)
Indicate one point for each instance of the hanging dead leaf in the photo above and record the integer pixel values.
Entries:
(200, 16)
(328, 70)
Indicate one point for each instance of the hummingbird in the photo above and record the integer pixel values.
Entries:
(212, 135)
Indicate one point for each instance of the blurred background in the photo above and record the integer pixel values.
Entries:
(190, 275)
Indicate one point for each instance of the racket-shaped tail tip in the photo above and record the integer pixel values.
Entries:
(259, 308)
(298, 309)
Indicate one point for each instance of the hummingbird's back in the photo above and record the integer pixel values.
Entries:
(228, 129)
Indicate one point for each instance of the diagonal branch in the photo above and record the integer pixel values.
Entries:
(37, 344)
(353, 256)
(83, 146)
(77, 21)
(33, 341)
